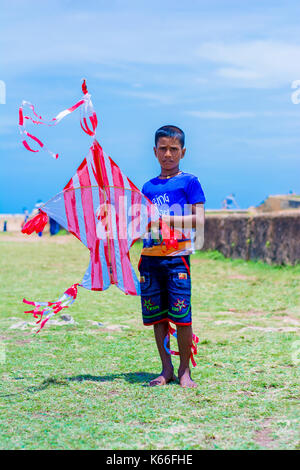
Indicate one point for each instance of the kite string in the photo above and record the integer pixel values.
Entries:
(195, 341)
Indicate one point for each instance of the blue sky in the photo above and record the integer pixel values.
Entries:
(220, 70)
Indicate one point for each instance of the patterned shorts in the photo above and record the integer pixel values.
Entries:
(165, 289)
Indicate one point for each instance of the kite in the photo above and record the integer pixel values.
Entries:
(101, 207)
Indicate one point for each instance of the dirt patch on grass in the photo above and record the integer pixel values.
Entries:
(247, 393)
(200, 261)
(23, 341)
(263, 437)
(258, 313)
(227, 322)
(271, 329)
(242, 277)
(20, 238)
(289, 320)
(3, 338)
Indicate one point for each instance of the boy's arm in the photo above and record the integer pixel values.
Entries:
(195, 220)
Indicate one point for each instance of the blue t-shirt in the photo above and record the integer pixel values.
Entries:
(173, 196)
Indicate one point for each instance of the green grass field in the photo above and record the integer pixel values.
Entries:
(84, 386)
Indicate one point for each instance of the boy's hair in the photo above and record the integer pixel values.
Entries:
(170, 131)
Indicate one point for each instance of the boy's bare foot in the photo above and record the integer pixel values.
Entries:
(185, 379)
(163, 379)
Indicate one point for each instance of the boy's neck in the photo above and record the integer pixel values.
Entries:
(169, 174)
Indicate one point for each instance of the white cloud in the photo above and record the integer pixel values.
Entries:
(241, 114)
(268, 62)
(268, 142)
(238, 73)
(49, 33)
(220, 115)
(152, 97)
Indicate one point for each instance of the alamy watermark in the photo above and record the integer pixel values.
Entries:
(143, 221)
(295, 96)
(2, 92)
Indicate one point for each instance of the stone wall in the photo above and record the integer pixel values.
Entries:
(279, 202)
(271, 237)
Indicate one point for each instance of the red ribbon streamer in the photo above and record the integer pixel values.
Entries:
(87, 113)
(52, 308)
(195, 341)
(37, 224)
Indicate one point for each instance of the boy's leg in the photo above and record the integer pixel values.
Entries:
(179, 289)
(185, 339)
(154, 301)
(167, 374)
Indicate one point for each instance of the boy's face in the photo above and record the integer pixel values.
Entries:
(169, 152)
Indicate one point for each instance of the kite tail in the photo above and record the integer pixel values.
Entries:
(37, 224)
(88, 121)
(87, 112)
(43, 311)
(194, 351)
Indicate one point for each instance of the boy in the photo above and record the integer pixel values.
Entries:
(165, 268)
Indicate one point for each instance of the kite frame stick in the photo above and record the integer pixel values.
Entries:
(108, 239)
(105, 195)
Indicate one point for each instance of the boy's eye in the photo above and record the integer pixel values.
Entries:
(164, 149)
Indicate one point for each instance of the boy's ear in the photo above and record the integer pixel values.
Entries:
(154, 149)
(183, 152)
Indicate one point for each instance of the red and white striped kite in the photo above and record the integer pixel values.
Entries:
(101, 207)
